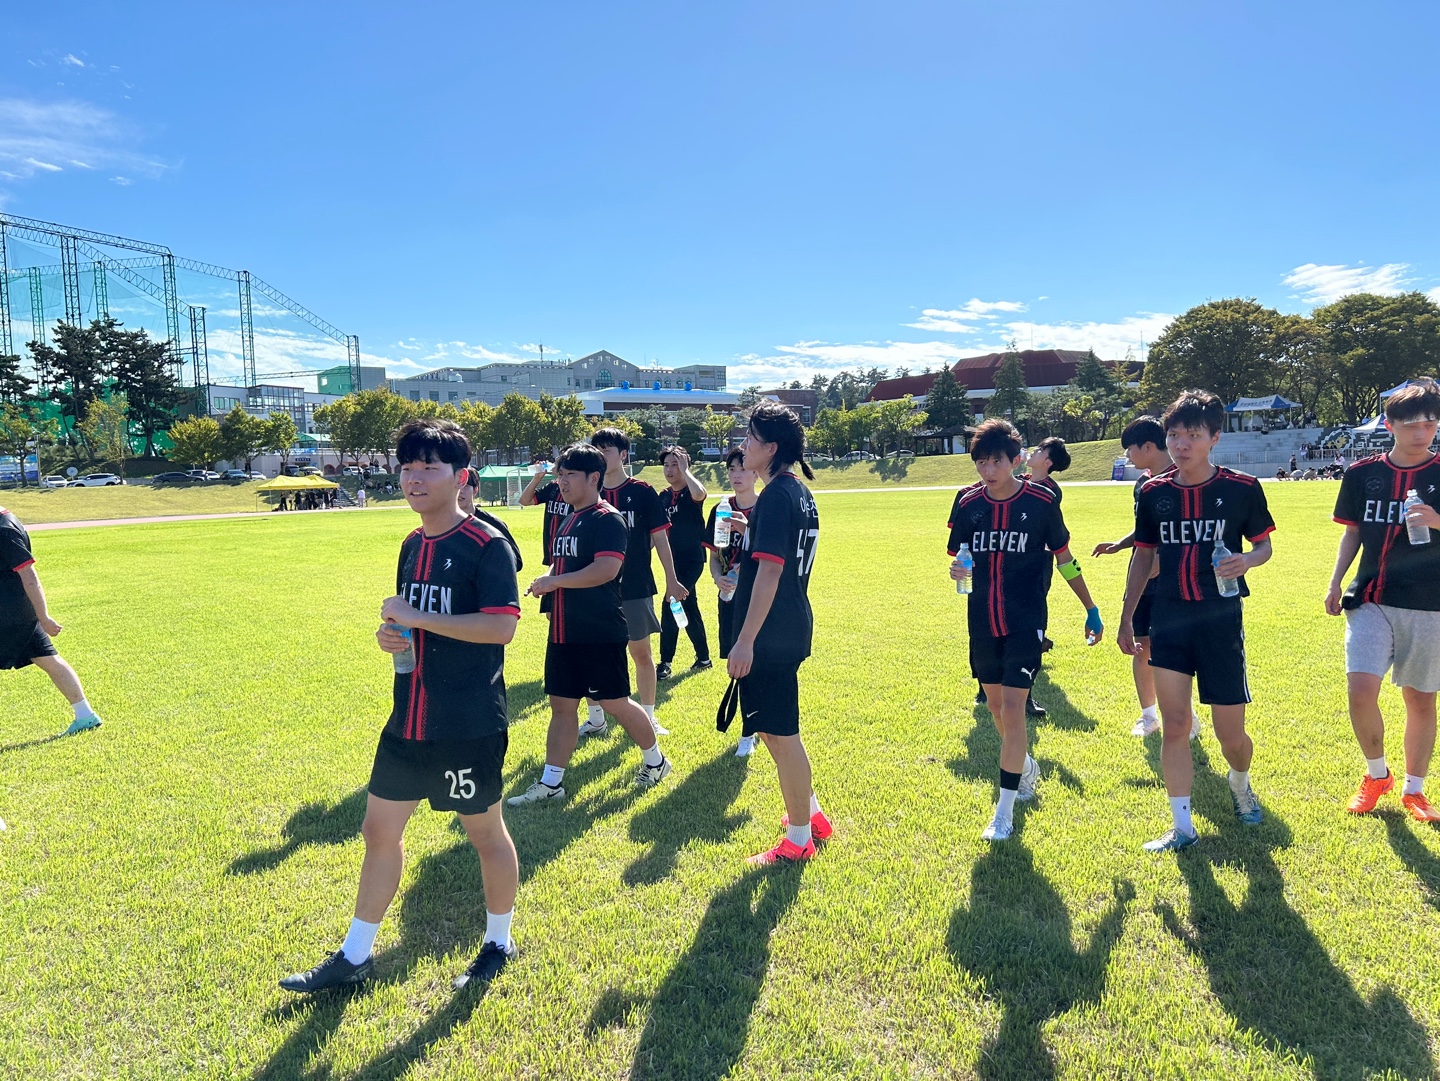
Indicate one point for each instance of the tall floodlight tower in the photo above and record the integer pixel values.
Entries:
(102, 290)
(247, 330)
(6, 338)
(352, 353)
(200, 352)
(37, 305)
(70, 275)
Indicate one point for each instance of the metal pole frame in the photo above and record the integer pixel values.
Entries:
(7, 346)
(102, 290)
(200, 351)
(247, 330)
(70, 275)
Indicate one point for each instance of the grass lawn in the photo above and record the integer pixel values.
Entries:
(158, 875)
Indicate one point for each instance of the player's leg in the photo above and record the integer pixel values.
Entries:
(608, 673)
(669, 639)
(566, 674)
(68, 684)
(641, 621)
(1172, 692)
(1007, 707)
(1419, 745)
(1220, 679)
(695, 629)
(1369, 653)
(1149, 720)
(500, 877)
(770, 704)
(384, 835)
(1417, 672)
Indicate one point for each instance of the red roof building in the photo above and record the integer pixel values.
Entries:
(1045, 370)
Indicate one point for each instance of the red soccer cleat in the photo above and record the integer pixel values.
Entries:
(784, 852)
(1419, 807)
(1369, 793)
(820, 827)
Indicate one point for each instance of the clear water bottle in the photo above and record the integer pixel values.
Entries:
(405, 661)
(722, 522)
(967, 563)
(677, 613)
(728, 584)
(1419, 531)
(1229, 587)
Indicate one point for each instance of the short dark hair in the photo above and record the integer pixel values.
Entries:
(429, 439)
(581, 458)
(1195, 409)
(666, 452)
(1419, 401)
(472, 479)
(994, 438)
(773, 423)
(610, 437)
(1142, 430)
(732, 454)
(1054, 446)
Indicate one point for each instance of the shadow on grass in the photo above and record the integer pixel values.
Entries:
(316, 823)
(520, 697)
(1267, 968)
(25, 745)
(700, 1016)
(1418, 860)
(1015, 935)
(695, 810)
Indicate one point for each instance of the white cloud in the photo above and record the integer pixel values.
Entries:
(35, 135)
(1324, 284)
(123, 181)
(72, 60)
(961, 320)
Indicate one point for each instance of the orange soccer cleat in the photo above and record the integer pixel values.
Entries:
(784, 852)
(820, 827)
(1369, 793)
(1419, 807)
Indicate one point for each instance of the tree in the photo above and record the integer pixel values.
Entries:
(895, 421)
(73, 369)
(378, 413)
(564, 422)
(717, 428)
(279, 436)
(243, 436)
(947, 404)
(20, 426)
(1377, 342)
(518, 422)
(106, 430)
(1012, 394)
(141, 370)
(195, 442)
(748, 397)
(1231, 347)
(14, 387)
(339, 421)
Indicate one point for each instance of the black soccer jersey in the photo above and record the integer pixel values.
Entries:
(15, 556)
(1183, 521)
(1149, 590)
(556, 509)
(784, 528)
(643, 513)
(730, 554)
(1012, 541)
(686, 516)
(1392, 570)
(593, 614)
(457, 691)
(1049, 485)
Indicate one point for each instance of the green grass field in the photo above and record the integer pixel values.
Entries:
(159, 875)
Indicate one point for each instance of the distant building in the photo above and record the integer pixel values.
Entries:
(1046, 370)
(619, 399)
(260, 401)
(804, 402)
(598, 371)
(337, 380)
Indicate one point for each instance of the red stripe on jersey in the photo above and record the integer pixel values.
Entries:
(768, 558)
(612, 555)
(22, 566)
(1261, 536)
(1400, 484)
(1142, 544)
(1344, 521)
(660, 529)
(503, 610)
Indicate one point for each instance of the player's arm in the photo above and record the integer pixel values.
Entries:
(762, 596)
(1240, 562)
(36, 592)
(1141, 564)
(697, 490)
(1069, 568)
(527, 494)
(602, 569)
(489, 628)
(717, 565)
(661, 539)
(1349, 549)
(1110, 548)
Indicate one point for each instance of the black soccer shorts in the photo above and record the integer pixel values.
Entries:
(1011, 660)
(1204, 639)
(599, 671)
(21, 642)
(1140, 623)
(454, 775)
(770, 701)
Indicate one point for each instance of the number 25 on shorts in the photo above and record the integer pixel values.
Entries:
(461, 786)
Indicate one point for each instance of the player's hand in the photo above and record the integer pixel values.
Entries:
(1106, 548)
(1233, 566)
(544, 584)
(1126, 639)
(390, 638)
(49, 626)
(399, 610)
(957, 572)
(683, 458)
(1332, 600)
(1424, 514)
(738, 521)
(1094, 628)
(676, 590)
(742, 657)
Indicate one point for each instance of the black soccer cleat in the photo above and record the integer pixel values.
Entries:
(330, 973)
(487, 964)
(701, 666)
(1033, 708)
(662, 670)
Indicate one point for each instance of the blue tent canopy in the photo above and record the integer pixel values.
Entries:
(1395, 390)
(1261, 405)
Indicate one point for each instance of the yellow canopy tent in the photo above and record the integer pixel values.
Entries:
(293, 484)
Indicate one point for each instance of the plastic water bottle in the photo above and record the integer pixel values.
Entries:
(405, 660)
(541, 468)
(1419, 531)
(967, 564)
(677, 612)
(722, 522)
(728, 584)
(1229, 587)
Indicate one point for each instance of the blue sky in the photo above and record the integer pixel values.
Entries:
(784, 188)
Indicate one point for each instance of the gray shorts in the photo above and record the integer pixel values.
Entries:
(1403, 641)
(640, 618)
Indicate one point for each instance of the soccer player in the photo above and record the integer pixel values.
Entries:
(1392, 608)
(640, 508)
(1196, 634)
(724, 561)
(684, 502)
(26, 624)
(447, 735)
(1051, 456)
(469, 487)
(1013, 527)
(585, 657)
(772, 608)
(1144, 443)
(545, 493)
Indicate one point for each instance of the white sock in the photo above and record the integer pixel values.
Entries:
(814, 805)
(799, 835)
(652, 754)
(1413, 784)
(360, 941)
(83, 712)
(497, 927)
(649, 711)
(1150, 713)
(553, 775)
(1377, 768)
(1006, 807)
(1180, 812)
(595, 715)
(1239, 781)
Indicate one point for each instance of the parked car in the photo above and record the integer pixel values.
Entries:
(859, 456)
(55, 480)
(172, 477)
(203, 474)
(311, 471)
(352, 471)
(96, 480)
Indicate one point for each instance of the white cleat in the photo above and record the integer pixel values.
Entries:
(537, 793)
(746, 748)
(1145, 726)
(594, 728)
(999, 829)
(660, 729)
(1029, 776)
(1194, 726)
